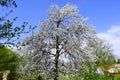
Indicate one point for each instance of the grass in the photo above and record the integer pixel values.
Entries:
(69, 78)
(95, 78)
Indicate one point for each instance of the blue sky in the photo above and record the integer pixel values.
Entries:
(103, 14)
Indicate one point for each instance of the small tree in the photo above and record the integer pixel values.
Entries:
(102, 54)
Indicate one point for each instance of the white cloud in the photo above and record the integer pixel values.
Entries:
(113, 37)
(114, 30)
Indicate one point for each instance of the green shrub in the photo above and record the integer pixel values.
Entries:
(9, 60)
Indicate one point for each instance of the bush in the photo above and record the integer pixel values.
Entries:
(9, 60)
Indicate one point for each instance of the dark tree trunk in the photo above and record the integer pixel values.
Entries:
(56, 74)
(56, 68)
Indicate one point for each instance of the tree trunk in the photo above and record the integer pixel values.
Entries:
(56, 68)
(56, 74)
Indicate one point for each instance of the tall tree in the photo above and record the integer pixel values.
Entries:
(63, 36)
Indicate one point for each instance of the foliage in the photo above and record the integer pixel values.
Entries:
(69, 78)
(100, 56)
(9, 60)
(95, 77)
(63, 35)
(104, 57)
(66, 45)
(10, 34)
(8, 3)
(118, 60)
(30, 77)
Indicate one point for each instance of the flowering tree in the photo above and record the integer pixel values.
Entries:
(99, 56)
(62, 37)
(103, 55)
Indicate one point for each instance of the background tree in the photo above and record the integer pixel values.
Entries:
(8, 32)
(63, 36)
(118, 61)
(8, 3)
(103, 55)
(9, 60)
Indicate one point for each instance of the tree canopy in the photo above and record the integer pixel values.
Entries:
(63, 35)
(66, 42)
